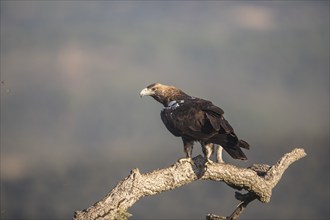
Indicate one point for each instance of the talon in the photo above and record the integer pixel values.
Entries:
(208, 162)
(186, 159)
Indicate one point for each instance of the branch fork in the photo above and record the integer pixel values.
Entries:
(258, 180)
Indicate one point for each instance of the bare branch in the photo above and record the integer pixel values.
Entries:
(245, 198)
(259, 180)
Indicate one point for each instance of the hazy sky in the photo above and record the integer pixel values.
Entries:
(73, 125)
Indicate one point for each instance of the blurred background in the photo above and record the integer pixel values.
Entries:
(73, 124)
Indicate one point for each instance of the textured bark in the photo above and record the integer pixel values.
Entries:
(258, 180)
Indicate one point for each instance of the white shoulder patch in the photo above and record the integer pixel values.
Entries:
(171, 103)
(174, 104)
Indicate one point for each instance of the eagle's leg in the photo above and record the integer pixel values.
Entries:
(219, 154)
(187, 147)
(207, 150)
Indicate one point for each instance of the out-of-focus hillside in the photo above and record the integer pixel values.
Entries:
(73, 125)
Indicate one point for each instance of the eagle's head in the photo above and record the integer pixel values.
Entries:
(163, 93)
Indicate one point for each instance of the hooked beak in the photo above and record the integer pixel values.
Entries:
(146, 92)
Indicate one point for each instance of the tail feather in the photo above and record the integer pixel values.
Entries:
(231, 144)
(235, 152)
(243, 144)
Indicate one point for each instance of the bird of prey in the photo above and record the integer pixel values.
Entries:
(194, 119)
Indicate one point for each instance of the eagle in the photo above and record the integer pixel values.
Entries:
(196, 120)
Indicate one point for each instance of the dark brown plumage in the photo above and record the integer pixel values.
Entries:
(195, 119)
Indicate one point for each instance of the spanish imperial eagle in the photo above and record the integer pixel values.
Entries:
(194, 119)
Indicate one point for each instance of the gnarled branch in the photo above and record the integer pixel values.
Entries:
(258, 180)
